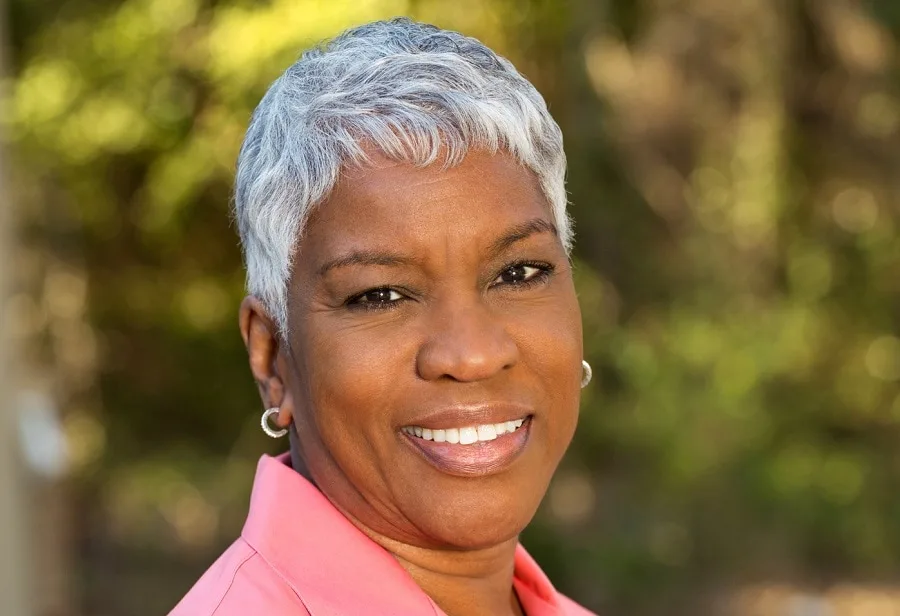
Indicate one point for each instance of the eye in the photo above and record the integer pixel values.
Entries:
(521, 273)
(376, 298)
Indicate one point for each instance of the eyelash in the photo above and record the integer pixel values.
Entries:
(544, 272)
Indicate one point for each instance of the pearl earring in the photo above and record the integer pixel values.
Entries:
(268, 428)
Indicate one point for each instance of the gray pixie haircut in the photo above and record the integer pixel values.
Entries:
(411, 91)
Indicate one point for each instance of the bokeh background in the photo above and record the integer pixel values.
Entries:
(735, 178)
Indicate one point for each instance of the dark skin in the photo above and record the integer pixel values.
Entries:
(413, 289)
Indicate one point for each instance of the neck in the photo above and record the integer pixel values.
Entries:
(462, 582)
(471, 582)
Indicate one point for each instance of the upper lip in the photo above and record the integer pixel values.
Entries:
(463, 415)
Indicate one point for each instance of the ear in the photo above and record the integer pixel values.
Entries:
(263, 343)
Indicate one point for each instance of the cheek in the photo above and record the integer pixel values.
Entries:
(548, 335)
(352, 377)
(550, 346)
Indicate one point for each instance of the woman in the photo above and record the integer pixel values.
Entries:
(411, 324)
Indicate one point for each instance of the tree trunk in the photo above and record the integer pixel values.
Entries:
(14, 561)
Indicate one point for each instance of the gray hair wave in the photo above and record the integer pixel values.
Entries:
(414, 92)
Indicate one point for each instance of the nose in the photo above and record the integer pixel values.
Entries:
(466, 343)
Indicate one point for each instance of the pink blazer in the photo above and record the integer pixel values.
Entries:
(319, 564)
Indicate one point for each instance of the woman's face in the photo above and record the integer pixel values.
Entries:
(426, 305)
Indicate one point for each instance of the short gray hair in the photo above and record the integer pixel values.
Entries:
(412, 91)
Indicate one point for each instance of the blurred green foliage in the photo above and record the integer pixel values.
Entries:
(733, 175)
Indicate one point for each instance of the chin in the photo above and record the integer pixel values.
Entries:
(467, 520)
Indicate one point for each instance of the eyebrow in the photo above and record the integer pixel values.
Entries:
(366, 257)
(520, 232)
(389, 259)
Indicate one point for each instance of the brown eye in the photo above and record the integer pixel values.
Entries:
(376, 297)
(518, 274)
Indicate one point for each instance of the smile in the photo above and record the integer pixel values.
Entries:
(465, 436)
(471, 451)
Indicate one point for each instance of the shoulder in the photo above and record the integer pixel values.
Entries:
(570, 608)
(240, 582)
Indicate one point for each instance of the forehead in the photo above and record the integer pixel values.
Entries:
(409, 207)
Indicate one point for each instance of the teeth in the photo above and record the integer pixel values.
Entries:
(467, 435)
(487, 432)
(512, 426)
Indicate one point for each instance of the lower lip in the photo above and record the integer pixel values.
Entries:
(475, 460)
